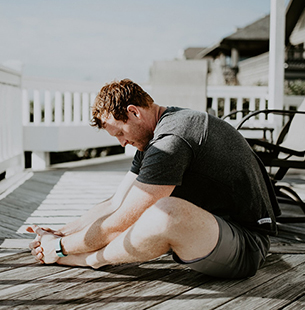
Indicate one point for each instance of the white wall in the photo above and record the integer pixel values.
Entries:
(254, 71)
(11, 146)
(180, 83)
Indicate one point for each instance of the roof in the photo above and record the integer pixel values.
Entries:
(191, 52)
(258, 30)
(250, 40)
(253, 39)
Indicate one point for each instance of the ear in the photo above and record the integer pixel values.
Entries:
(134, 110)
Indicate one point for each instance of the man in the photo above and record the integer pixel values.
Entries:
(195, 187)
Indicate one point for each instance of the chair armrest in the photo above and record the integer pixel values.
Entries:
(277, 112)
(274, 147)
(234, 113)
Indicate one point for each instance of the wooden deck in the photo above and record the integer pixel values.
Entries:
(59, 195)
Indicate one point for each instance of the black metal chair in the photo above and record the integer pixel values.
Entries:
(288, 152)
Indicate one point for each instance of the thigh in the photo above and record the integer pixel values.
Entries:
(192, 232)
(239, 253)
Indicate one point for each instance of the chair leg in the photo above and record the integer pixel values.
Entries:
(287, 192)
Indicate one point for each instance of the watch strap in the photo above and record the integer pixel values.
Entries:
(58, 248)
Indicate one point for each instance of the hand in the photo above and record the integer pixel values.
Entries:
(43, 247)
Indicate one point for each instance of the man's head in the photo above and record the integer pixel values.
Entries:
(126, 111)
(114, 99)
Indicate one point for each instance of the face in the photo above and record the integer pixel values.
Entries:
(134, 132)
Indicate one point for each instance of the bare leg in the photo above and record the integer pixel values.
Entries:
(172, 223)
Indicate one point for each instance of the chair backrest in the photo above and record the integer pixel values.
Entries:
(295, 138)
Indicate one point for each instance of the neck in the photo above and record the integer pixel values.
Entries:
(152, 115)
(161, 111)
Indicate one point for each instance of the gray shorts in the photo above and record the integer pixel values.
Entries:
(239, 253)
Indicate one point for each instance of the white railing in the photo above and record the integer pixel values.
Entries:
(11, 150)
(57, 102)
(227, 99)
(50, 115)
(56, 117)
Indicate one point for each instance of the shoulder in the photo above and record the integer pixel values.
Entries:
(175, 118)
(189, 125)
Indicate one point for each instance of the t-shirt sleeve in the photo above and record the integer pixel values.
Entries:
(165, 161)
(136, 162)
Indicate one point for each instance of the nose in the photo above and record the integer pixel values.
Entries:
(122, 141)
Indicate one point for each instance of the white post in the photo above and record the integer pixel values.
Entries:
(76, 110)
(276, 54)
(37, 108)
(40, 160)
(58, 108)
(67, 108)
(85, 108)
(47, 108)
(25, 107)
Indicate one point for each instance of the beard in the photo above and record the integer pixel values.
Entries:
(143, 140)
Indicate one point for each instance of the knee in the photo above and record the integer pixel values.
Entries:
(163, 214)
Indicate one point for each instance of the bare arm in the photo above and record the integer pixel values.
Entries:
(101, 210)
(45, 240)
(102, 231)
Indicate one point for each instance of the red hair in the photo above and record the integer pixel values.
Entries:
(115, 97)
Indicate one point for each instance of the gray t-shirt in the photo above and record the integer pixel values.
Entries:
(211, 165)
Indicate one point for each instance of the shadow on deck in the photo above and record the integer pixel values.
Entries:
(57, 196)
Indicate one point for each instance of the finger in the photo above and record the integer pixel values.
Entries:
(55, 232)
(38, 238)
(38, 230)
(40, 261)
(48, 229)
(36, 252)
(39, 256)
(58, 233)
(34, 244)
(30, 229)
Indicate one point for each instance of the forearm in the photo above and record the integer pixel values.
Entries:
(91, 238)
(102, 231)
(100, 210)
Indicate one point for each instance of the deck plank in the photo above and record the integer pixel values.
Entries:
(219, 294)
(58, 196)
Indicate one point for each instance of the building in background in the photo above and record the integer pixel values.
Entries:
(242, 58)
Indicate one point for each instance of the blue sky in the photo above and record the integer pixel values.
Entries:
(102, 40)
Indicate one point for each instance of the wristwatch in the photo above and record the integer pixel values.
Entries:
(58, 248)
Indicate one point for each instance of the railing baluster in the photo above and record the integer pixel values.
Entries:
(76, 110)
(92, 98)
(239, 106)
(47, 108)
(4, 122)
(262, 106)
(67, 108)
(227, 105)
(37, 108)
(252, 103)
(215, 105)
(25, 107)
(85, 108)
(58, 108)
(2, 106)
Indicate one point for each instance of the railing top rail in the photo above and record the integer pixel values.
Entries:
(61, 85)
(245, 91)
(9, 76)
